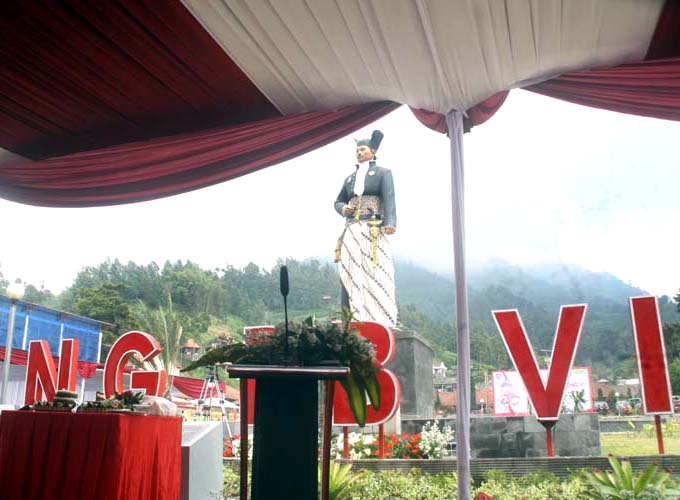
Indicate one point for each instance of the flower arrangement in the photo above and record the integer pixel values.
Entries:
(129, 398)
(310, 344)
(405, 446)
(428, 444)
(434, 439)
(232, 447)
(359, 445)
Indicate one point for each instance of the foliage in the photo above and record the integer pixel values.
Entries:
(231, 482)
(40, 296)
(434, 439)
(129, 398)
(358, 446)
(309, 344)
(163, 323)
(405, 446)
(621, 483)
(413, 485)
(249, 296)
(340, 480)
(103, 302)
(674, 374)
(535, 486)
(579, 399)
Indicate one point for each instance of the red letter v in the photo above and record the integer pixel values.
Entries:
(546, 398)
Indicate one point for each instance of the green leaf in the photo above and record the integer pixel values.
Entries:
(644, 479)
(356, 396)
(370, 382)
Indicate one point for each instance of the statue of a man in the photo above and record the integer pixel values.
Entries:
(366, 201)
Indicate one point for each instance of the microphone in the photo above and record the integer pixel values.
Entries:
(283, 281)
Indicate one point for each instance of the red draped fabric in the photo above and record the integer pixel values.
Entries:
(85, 75)
(192, 388)
(162, 167)
(20, 357)
(666, 40)
(650, 88)
(58, 456)
(476, 115)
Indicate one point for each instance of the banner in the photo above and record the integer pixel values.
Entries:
(511, 397)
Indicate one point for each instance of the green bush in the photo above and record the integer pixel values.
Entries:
(412, 485)
(622, 484)
(231, 482)
(535, 486)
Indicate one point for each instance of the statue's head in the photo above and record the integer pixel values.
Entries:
(366, 148)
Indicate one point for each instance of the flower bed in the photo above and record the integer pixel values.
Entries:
(428, 444)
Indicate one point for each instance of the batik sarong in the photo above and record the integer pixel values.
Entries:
(367, 273)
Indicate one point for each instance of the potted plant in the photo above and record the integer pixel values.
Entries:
(309, 344)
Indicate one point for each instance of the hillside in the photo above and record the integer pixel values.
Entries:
(204, 304)
(538, 294)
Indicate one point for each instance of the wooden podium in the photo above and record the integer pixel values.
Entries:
(286, 429)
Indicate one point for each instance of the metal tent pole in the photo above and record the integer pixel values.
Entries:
(454, 121)
(8, 350)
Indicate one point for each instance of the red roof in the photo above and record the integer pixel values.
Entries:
(448, 399)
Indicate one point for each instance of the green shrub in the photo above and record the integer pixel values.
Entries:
(339, 480)
(622, 484)
(231, 482)
(412, 485)
(535, 486)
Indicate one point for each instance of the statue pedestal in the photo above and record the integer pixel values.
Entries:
(285, 449)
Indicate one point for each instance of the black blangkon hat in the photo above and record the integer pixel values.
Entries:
(373, 142)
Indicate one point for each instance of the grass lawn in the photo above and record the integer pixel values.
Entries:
(639, 443)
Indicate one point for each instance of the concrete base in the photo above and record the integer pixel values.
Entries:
(502, 437)
(201, 461)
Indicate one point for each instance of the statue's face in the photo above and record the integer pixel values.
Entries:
(364, 153)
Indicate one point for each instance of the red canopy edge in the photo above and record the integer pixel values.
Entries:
(192, 388)
(20, 357)
(167, 166)
(650, 88)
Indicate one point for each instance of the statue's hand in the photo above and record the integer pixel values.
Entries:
(348, 210)
(389, 229)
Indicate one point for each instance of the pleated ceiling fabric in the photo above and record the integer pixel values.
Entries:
(127, 101)
(436, 55)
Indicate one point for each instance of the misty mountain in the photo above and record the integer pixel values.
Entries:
(537, 292)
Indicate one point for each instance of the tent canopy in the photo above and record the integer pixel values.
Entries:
(128, 101)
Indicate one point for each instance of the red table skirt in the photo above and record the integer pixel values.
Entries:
(45, 455)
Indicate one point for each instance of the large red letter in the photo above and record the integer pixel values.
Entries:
(546, 398)
(68, 364)
(128, 344)
(390, 390)
(41, 374)
(651, 355)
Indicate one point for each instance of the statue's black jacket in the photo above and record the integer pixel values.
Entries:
(378, 183)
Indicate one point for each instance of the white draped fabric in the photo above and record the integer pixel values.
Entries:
(436, 55)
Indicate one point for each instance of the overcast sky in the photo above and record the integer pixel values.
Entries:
(547, 181)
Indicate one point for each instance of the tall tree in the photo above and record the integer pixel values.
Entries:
(104, 302)
(164, 324)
